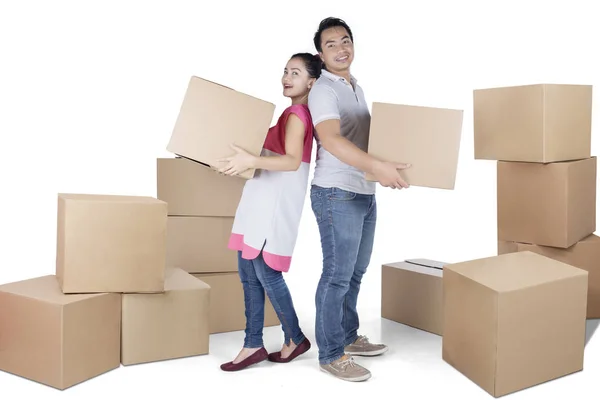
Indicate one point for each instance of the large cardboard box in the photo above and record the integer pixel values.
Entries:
(111, 243)
(412, 294)
(192, 189)
(227, 303)
(212, 117)
(199, 244)
(584, 254)
(514, 321)
(533, 123)
(428, 138)
(546, 204)
(169, 325)
(56, 339)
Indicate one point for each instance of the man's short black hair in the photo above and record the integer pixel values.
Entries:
(327, 23)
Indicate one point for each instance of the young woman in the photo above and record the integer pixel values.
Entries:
(267, 219)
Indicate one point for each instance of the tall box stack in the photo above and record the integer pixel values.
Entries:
(540, 136)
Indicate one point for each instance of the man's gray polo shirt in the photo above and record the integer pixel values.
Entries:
(333, 98)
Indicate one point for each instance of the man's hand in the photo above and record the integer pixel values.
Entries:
(237, 163)
(387, 174)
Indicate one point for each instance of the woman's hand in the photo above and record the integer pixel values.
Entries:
(238, 163)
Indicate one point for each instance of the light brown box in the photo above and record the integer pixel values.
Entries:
(514, 321)
(56, 339)
(199, 244)
(428, 138)
(533, 123)
(205, 126)
(412, 294)
(111, 243)
(546, 204)
(585, 254)
(192, 189)
(169, 325)
(227, 303)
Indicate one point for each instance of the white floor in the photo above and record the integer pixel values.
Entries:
(412, 369)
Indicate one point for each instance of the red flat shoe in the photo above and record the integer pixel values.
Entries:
(258, 356)
(302, 348)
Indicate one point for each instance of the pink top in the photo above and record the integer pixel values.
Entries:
(268, 215)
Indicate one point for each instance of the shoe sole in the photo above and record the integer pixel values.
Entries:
(367, 353)
(355, 379)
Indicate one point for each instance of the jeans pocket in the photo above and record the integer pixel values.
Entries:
(341, 195)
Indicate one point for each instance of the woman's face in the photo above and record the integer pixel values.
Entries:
(296, 81)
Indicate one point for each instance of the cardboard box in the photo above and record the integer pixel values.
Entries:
(192, 189)
(412, 294)
(212, 117)
(514, 321)
(227, 303)
(56, 339)
(533, 123)
(585, 254)
(110, 243)
(167, 325)
(199, 244)
(546, 204)
(426, 137)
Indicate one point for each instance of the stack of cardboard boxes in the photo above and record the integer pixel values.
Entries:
(112, 300)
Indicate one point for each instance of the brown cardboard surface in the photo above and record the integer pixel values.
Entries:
(192, 189)
(227, 303)
(412, 294)
(514, 321)
(110, 243)
(205, 128)
(428, 138)
(584, 254)
(533, 123)
(546, 204)
(199, 244)
(56, 339)
(169, 325)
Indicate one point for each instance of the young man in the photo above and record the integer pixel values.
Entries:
(343, 201)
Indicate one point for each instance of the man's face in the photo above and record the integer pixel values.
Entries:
(337, 49)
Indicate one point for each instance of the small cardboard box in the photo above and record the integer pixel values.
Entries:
(56, 339)
(111, 243)
(192, 189)
(533, 123)
(169, 325)
(212, 117)
(514, 321)
(227, 303)
(426, 137)
(546, 204)
(199, 244)
(584, 254)
(412, 294)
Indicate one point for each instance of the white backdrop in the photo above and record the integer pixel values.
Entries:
(89, 93)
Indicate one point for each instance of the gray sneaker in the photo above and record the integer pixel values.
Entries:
(362, 347)
(346, 369)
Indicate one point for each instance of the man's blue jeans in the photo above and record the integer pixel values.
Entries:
(257, 278)
(347, 225)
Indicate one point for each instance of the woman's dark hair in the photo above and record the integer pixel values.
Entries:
(312, 62)
(327, 23)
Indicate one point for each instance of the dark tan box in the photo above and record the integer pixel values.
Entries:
(56, 339)
(514, 321)
(111, 243)
(584, 254)
(205, 126)
(199, 244)
(192, 189)
(533, 123)
(227, 303)
(169, 325)
(546, 204)
(412, 294)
